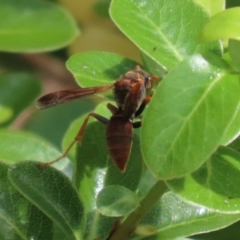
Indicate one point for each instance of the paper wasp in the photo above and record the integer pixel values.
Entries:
(130, 95)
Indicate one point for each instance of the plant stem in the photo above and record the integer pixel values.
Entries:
(146, 204)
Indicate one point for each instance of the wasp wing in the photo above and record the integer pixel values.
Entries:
(55, 98)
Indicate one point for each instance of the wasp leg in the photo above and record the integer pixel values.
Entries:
(145, 101)
(113, 109)
(78, 136)
(137, 124)
(154, 78)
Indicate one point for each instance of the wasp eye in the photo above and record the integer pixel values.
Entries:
(147, 80)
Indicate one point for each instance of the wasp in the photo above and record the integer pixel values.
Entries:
(130, 93)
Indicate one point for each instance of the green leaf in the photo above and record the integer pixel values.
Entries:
(165, 31)
(226, 233)
(94, 170)
(19, 145)
(18, 217)
(153, 67)
(53, 193)
(17, 91)
(116, 201)
(232, 131)
(172, 218)
(234, 51)
(215, 185)
(235, 144)
(98, 68)
(32, 26)
(188, 117)
(212, 7)
(223, 25)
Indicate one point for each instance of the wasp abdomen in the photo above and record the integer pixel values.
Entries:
(119, 140)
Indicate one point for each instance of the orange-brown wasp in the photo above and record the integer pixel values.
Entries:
(130, 95)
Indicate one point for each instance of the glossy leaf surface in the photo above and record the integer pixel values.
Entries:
(16, 146)
(59, 201)
(223, 25)
(19, 145)
(116, 201)
(234, 51)
(98, 68)
(212, 7)
(18, 216)
(190, 113)
(173, 218)
(215, 185)
(167, 40)
(31, 26)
